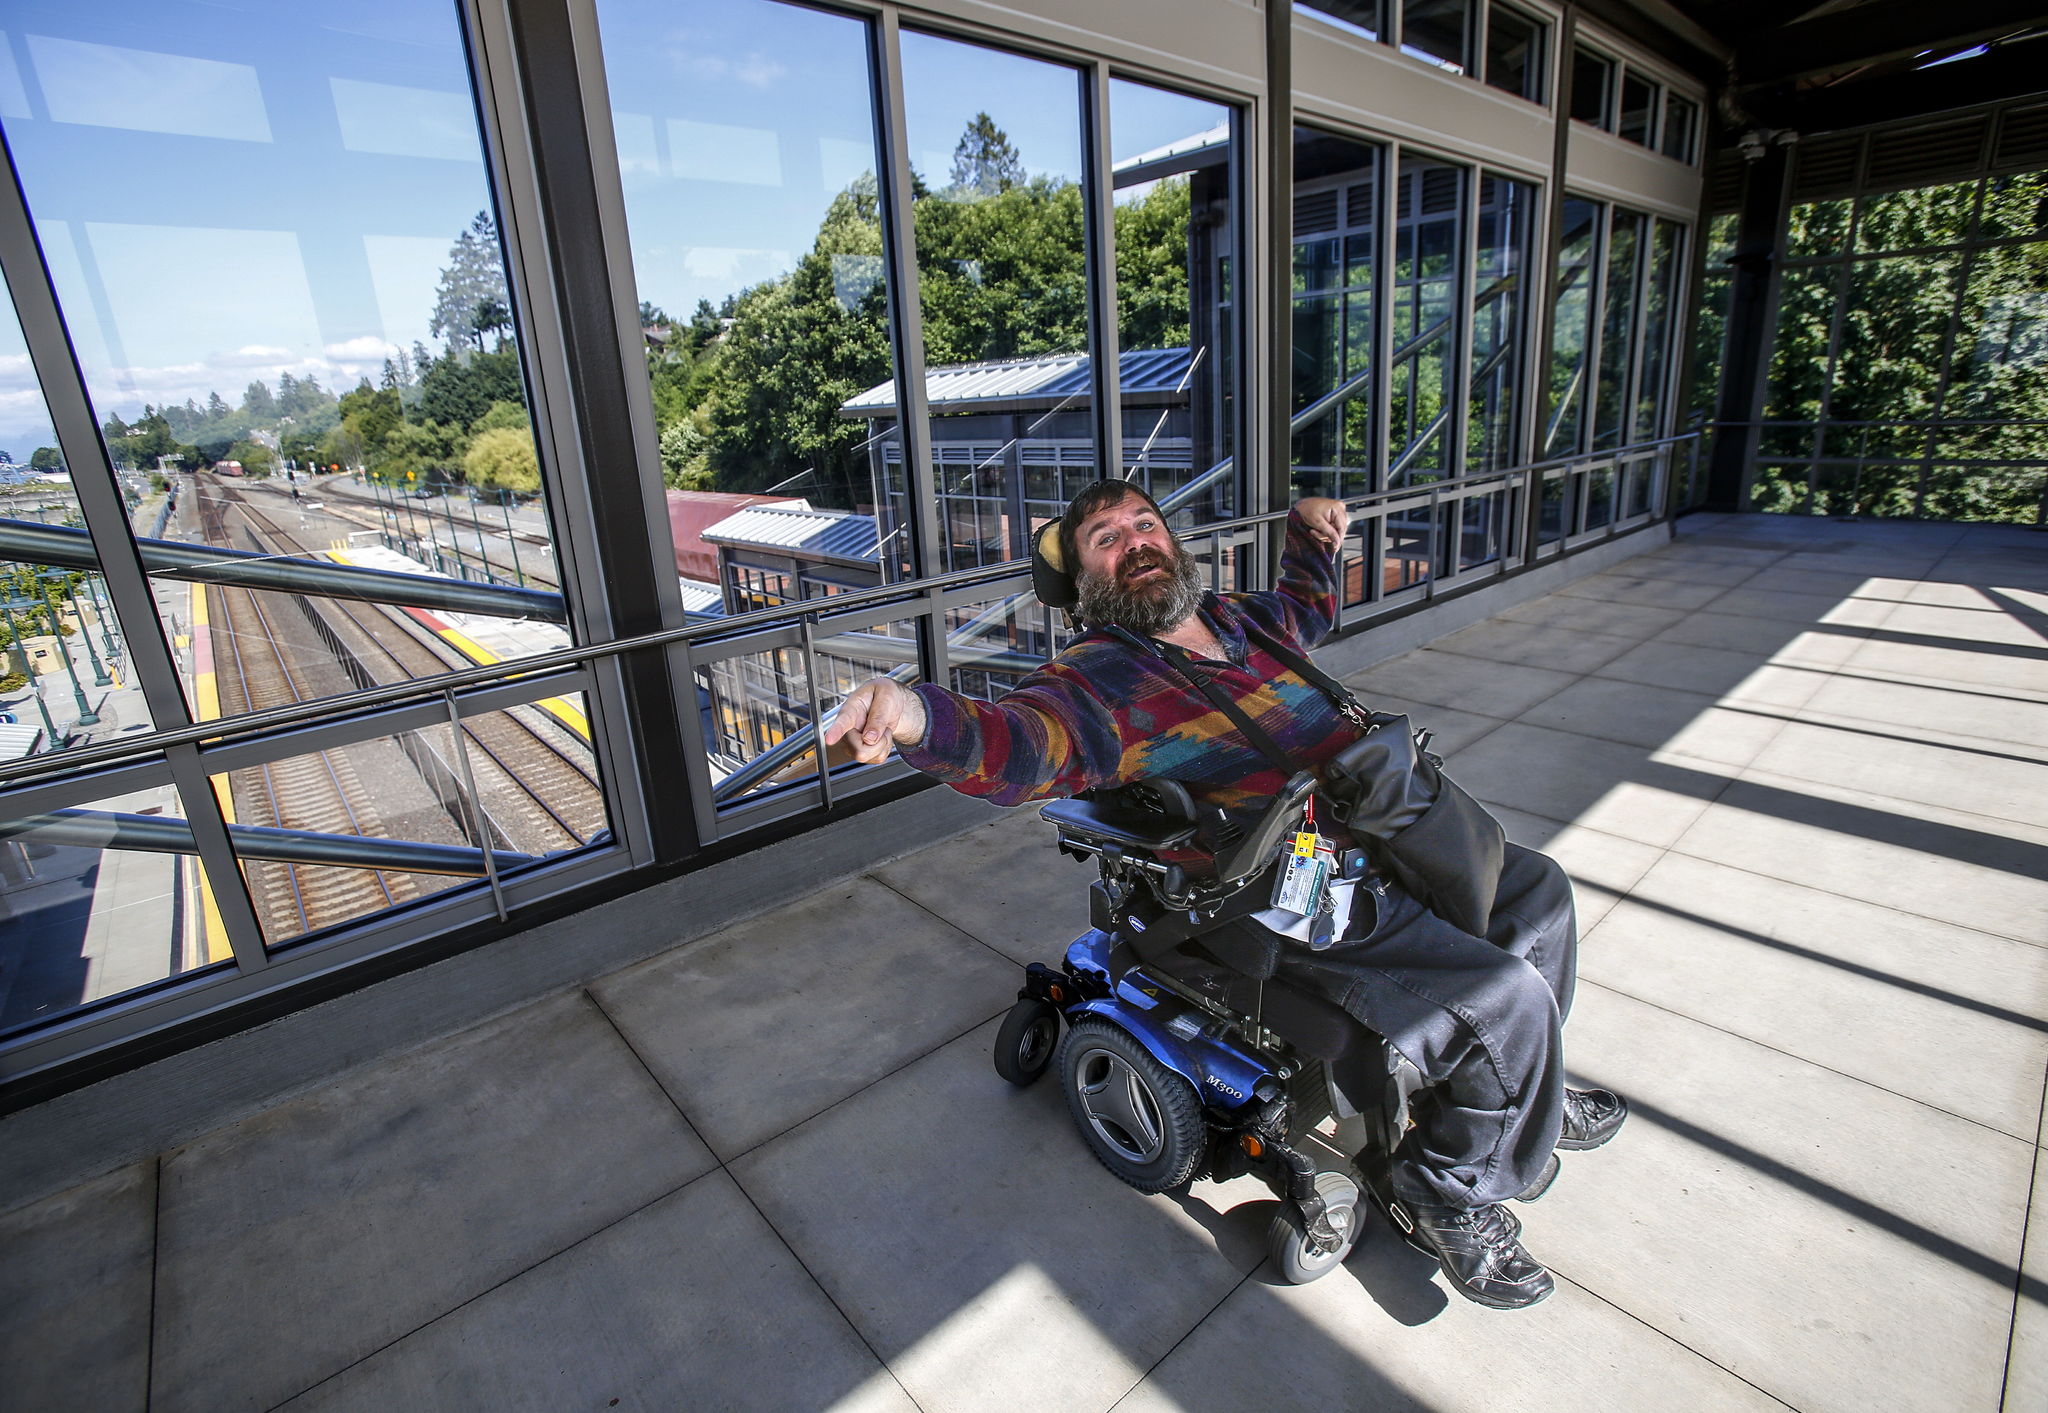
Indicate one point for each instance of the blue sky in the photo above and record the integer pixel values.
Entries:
(226, 189)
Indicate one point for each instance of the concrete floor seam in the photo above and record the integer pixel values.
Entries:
(1665, 1334)
(824, 1290)
(1803, 1059)
(1186, 1335)
(2019, 1282)
(948, 923)
(634, 1051)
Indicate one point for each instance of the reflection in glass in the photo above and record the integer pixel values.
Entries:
(1681, 127)
(1638, 107)
(756, 706)
(995, 143)
(1360, 17)
(1506, 226)
(1435, 30)
(755, 223)
(1817, 227)
(291, 310)
(1424, 311)
(1514, 52)
(65, 676)
(1592, 77)
(1572, 327)
(1661, 300)
(98, 900)
(1176, 237)
(1336, 293)
(333, 835)
(1622, 300)
(993, 643)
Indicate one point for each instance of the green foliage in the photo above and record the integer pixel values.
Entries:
(256, 458)
(13, 681)
(46, 458)
(1152, 267)
(503, 458)
(502, 416)
(158, 482)
(459, 389)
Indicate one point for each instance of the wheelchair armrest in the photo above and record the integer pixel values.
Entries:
(1251, 853)
(1101, 819)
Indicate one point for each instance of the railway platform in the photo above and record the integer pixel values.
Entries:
(1797, 770)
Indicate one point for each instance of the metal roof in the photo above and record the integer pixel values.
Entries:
(810, 534)
(1145, 375)
(700, 597)
(16, 739)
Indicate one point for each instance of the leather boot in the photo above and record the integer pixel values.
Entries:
(1479, 1253)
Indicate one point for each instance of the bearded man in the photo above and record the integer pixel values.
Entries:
(1479, 1017)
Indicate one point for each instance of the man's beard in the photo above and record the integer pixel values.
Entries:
(1151, 608)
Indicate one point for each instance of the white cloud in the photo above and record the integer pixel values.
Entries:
(755, 70)
(253, 355)
(634, 136)
(736, 266)
(366, 348)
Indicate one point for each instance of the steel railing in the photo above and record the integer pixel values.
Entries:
(1921, 470)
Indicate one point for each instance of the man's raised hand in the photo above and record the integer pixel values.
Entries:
(877, 717)
(1326, 519)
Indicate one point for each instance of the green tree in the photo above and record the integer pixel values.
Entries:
(984, 162)
(369, 414)
(420, 452)
(257, 403)
(458, 390)
(257, 459)
(46, 458)
(470, 299)
(503, 458)
(502, 416)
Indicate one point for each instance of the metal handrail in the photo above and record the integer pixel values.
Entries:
(577, 657)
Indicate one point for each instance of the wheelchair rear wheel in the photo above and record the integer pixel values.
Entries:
(1026, 1041)
(1287, 1238)
(1140, 1119)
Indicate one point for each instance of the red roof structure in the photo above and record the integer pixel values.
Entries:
(691, 513)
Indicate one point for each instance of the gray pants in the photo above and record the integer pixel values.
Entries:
(1478, 1016)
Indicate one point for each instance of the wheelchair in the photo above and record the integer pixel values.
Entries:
(1177, 1063)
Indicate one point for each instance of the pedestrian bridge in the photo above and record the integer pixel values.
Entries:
(1797, 768)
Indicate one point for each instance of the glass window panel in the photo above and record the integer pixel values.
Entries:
(995, 142)
(272, 232)
(1800, 363)
(1436, 30)
(1515, 45)
(1662, 293)
(1592, 76)
(752, 703)
(336, 835)
(97, 900)
(1905, 220)
(1999, 374)
(1895, 321)
(1499, 295)
(1360, 17)
(1571, 328)
(1817, 228)
(1621, 311)
(1428, 250)
(1177, 222)
(1638, 107)
(65, 675)
(1681, 127)
(1336, 243)
(2015, 206)
(992, 644)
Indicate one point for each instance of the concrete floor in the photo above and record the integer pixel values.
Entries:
(1800, 772)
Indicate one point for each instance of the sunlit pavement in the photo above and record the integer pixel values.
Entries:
(1799, 771)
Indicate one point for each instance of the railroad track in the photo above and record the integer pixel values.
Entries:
(536, 794)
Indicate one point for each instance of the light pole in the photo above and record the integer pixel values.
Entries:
(506, 505)
(86, 715)
(7, 607)
(99, 669)
(105, 614)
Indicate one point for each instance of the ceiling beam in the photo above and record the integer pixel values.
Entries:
(1883, 29)
(2009, 71)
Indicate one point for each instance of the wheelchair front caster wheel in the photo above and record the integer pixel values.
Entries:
(1288, 1241)
(1026, 1041)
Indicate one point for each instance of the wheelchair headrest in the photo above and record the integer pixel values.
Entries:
(1050, 578)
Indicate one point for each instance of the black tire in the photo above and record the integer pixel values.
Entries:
(1025, 1043)
(1143, 1121)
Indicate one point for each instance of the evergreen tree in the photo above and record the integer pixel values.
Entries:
(257, 403)
(984, 162)
(473, 278)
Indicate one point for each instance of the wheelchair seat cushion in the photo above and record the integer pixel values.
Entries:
(1107, 821)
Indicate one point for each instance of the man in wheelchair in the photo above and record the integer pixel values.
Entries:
(1214, 694)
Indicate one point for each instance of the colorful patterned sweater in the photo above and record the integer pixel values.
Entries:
(1102, 712)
